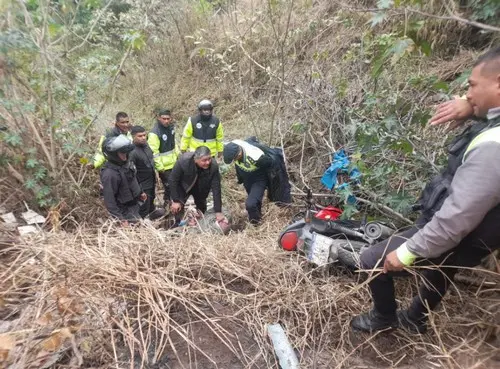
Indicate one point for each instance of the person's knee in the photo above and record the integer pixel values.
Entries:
(252, 203)
(367, 260)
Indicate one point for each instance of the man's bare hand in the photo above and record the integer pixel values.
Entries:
(143, 196)
(455, 112)
(90, 165)
(175, 207)
(392, 263)
(125, 223)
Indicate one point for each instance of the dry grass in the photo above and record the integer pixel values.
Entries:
(141, 298)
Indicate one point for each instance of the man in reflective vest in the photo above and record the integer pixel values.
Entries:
(161, 140)
(251, 165)
(122, 127)
(203, 129)
(460, 217)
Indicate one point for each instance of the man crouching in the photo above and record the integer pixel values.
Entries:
(121, 190)
(195, 174)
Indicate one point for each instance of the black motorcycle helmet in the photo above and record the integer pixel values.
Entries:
(113, 145)
(205, 105)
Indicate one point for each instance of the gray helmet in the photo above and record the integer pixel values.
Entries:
(113, 145)
(205, 104)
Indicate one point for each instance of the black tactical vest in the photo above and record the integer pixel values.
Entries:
(166, 136)
(205, 130)
(437, 190)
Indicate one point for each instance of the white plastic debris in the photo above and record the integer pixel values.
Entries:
(282, 347)
(28, 229)
(32, 217)
(9, 218)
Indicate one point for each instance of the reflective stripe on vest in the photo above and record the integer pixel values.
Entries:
(204, 141)
(250, 156)
(164, 153)
(490, 135)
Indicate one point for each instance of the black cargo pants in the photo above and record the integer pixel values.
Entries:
(436, 279)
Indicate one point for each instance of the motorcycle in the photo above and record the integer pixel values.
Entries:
(324, 238)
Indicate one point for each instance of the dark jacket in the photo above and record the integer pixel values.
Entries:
(278, 182)
(186, 176)
(120, 188)
(142, 157)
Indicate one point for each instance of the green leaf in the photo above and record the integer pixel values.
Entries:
(135, 39)
(377, 18)
(31, 163)
(403, 145)
(41, 173)
(54, 29)
(13, 139)
(384, 4)
(30, 184)
(426, 48)
(441, 86)
(348, 212)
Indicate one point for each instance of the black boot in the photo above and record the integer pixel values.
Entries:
(411, 325)
(374, 321)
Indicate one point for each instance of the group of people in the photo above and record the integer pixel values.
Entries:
(129, 158)
(460, 207)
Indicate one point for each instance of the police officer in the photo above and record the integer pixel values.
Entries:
(161, 140)
(122, 127)
(252, 165)
(460, 217)
(121, 190)
(203, 129)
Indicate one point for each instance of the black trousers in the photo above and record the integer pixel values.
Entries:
(255, 190)
(435, 280)
(166, 187)
(200, 200)
(148, 205)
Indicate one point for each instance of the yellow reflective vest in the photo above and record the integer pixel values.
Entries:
(198, 132)
(250, 156)
(161, 140)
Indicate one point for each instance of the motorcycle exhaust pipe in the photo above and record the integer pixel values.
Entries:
(375, 230)
(347, 231)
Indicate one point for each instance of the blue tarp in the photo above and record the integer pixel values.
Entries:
(340, 165)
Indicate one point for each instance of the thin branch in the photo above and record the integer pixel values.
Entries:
(101, 108)
(282, 44)
(385, 209)
(91, 28)
(401, 11)
(456, 18)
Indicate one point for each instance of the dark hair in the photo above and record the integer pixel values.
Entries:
(164, 112)
(137, 129)
(202, 151)
(120, 115)
(491, 61)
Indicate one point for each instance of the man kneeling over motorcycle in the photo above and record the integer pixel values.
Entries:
(461, 211)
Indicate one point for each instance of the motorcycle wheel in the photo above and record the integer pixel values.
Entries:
(348, 259)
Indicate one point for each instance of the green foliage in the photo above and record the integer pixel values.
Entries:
(55, 76)
(487, 11)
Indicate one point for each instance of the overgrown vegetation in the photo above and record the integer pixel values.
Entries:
(312, 76)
